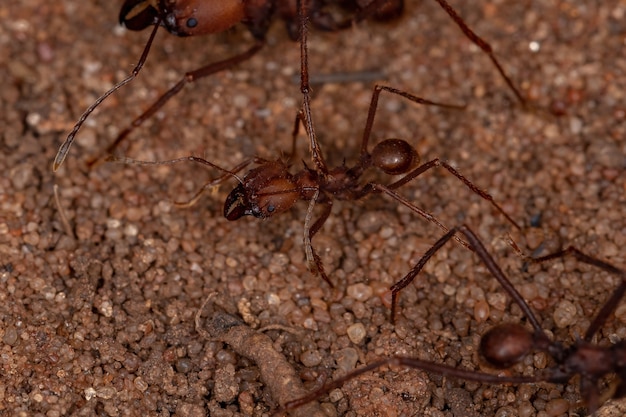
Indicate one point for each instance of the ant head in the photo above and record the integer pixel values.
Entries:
(506, 344)
(394, 156)
(265, 191)
(183, 17)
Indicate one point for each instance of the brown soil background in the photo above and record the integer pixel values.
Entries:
(104, 324)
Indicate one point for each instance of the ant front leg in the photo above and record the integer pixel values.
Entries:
(305, 114)
(313, 259)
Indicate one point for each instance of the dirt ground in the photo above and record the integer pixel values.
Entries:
(100, 319)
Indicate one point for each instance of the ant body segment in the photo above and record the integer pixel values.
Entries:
(202, 17)
(508, 344)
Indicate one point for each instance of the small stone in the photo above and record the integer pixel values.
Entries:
(311, 358)
(565, 314)
(360, 292)
(356, 333)
(346, 359)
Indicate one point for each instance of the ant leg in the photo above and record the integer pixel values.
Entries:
(374, 105)
(305, 113)
(67, 144)
(372, 187)
(410, 276)
(435, 368)
(498, 274)
(188, 78)
(313, 259)
(294, 136)
(308, 246)
(439, 163)
(482, 44)
(611, 304)
(477, 246)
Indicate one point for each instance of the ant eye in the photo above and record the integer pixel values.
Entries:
(270, 209)
(192, 22)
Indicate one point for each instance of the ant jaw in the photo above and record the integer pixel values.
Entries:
(139, 14)
(236, 204)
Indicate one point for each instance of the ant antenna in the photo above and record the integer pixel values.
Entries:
(193, 200)
(65, 147)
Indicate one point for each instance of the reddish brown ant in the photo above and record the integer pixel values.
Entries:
(201, 17)
(508, 344)
(270, 189)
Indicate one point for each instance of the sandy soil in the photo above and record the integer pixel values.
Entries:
(100, 319)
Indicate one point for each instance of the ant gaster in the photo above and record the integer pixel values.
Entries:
(508, 344)
(270, 189)
(202, 17)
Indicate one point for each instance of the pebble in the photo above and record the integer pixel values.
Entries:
(360, 292)
(557, 407)
(564, 314)
(346, 359)
(311, 358)
(356, 333)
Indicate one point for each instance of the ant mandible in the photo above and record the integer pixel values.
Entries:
(202, 17)
(270, 189)
(508, 344)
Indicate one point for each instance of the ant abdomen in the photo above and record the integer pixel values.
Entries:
(183, 17)
(505, 345)
(395, 156)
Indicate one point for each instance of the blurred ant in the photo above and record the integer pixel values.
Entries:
(202, 17)
(508, 344)
(270, 189)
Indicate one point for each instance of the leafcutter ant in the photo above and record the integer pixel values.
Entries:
(508, 344)
(270, 188)
(202, 17)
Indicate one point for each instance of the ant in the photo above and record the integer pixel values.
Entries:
(508, 344)
(270, 188)
(202, 17)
